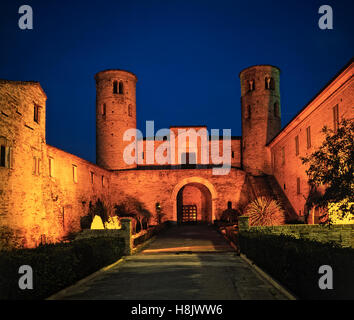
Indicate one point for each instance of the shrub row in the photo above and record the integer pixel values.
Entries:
(295, 263)
(56, 266)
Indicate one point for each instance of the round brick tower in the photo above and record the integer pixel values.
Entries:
(115, 113)
(260, 110)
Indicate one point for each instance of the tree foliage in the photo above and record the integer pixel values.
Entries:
(331, 166)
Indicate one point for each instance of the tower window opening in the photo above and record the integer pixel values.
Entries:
(115, 87)
(233, 154)
(121, 87)
(229, 204)
(269, 83)
(36, 114)
(130, 113)
(251, 85)
(248, 112)
(103, 111)
(276, 109)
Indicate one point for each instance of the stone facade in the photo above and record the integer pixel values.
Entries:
(303, 135)
(44, 191)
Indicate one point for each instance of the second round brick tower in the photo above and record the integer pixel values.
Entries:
(260, 110)
(115, 113)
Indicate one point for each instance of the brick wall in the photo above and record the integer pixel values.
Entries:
(162, 186)
(287, 165)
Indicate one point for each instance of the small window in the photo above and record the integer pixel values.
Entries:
(3, 156)
(36, 166)
(298, 185)
(36, 114)
(115, 87)
(130, 110)
(233, 154)
(297, 145)
(142, 154)
(51, 167)
(251, 85)
(92, 175)
(103, 111)
(248, 112)
(121, 87)
(267, 83)
(276, 109)
(335, 118)
(308, 136)
(75, 173)
(103, 181)
(229, 204)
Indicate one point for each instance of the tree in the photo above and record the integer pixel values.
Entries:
(132, 207)
(331, 167)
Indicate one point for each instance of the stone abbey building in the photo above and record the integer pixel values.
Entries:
(44, 191)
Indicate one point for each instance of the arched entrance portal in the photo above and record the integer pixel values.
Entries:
(199, 194)
(194, 204)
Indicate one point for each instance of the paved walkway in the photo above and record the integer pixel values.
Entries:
(183, 263)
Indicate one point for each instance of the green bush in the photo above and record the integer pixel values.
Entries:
(295, 263)
(56, 266)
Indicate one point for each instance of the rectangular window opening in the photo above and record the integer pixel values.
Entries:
(74, 173)
(308, 136)
(3, 156)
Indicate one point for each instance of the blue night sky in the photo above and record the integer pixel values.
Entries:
(186, 54)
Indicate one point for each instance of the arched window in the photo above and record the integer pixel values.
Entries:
(120, 87)
(251, 85)
(115, 87)
(267, 83)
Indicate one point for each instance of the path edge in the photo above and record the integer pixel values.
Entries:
(268, 278)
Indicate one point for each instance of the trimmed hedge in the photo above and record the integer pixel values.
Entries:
(295, 264)
(56, 266)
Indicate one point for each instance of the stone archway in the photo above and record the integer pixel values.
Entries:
(205, 187)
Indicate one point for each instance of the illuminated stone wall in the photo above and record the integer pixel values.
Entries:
(287, 165)
(44, 191)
